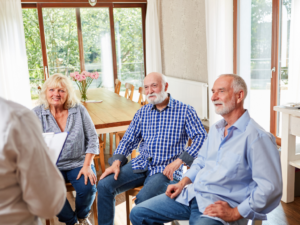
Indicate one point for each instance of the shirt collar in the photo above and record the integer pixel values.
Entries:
(170, 104)
(47, 111)
(240, 124)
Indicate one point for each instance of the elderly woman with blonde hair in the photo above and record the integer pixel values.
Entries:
(61, 111)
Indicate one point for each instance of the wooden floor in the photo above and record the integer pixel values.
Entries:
(284, 214)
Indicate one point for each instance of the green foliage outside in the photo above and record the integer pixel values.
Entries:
(261, 37)
(61, 36)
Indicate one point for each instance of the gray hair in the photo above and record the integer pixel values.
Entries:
(238, 83)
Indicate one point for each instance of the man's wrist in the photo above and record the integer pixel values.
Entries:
(236, 214)
(117, 163)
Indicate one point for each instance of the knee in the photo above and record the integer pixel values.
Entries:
(136, 215)
(105, 187)
(87, 190)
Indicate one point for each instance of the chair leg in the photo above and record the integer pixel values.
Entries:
(104, 140)
(117, 140)
(95, 210)
(102, 162)
(111, 139)
(96, 164)
(47, 222)
(128, 199)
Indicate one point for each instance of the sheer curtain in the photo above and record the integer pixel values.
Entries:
(294, 54)
(14, 76)
(153, 48)
(219, 38)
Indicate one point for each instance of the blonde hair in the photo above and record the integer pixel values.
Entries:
(59, 81)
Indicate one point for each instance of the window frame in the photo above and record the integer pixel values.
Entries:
(40, 4)
(274, 59)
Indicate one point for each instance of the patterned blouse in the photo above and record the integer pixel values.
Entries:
(82, 136)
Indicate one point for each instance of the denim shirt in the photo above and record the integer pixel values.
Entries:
(82, 136)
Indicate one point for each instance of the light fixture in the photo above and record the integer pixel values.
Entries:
(92, 2)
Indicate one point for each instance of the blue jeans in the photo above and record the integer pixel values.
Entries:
(162, 209)
(108, 188)
(85, 195)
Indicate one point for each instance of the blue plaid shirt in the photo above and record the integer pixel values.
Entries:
(163, 136)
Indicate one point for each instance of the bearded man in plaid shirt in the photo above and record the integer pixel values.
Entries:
(162, 129)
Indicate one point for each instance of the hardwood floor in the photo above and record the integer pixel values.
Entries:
(284, 214)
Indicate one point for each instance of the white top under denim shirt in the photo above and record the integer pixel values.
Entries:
(242, 169)
(82, 136)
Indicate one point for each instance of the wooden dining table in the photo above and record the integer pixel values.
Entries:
(113, 114)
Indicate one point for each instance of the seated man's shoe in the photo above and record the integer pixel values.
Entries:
(84, 221)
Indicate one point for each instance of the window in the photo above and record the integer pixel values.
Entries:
(67, 37)
(264, 59)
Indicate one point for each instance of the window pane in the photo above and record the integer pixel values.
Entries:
(61, 40)
(284, 58)
(129, 46)
(33, 50)
(96, 36)
(261, 39)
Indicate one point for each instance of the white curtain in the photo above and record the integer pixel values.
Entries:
(14, 76)
(294, 54)
(153, 48)
(219, 38)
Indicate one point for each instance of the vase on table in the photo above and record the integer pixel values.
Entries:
(83, 82)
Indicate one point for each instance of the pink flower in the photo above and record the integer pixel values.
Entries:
(73, 78)
(96, 75)
(92, 75)
(76, 73)
(87, 74)
(77, 77)
(83, 77)
(72, 74)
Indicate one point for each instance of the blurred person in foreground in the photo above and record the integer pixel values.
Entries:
(162, 128)
(61, 111)
(236, 177)
(30, 184)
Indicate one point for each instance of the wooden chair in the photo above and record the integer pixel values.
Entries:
(100, 156)
(130, 193)
(118, 135)
(117, 86)
(70, 188)
(141, 97)
(129, 91)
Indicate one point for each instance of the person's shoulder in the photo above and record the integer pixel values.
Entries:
(179, 104)
(38, 109)
(11, 111)
(256, 131)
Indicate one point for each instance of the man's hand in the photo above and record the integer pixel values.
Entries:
(114, 168)
(88, 173)
(174, 190)
(222, 210)
(171, 168)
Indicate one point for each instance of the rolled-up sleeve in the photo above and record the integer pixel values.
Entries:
(263, 156)
(195, 130)
(91, 137)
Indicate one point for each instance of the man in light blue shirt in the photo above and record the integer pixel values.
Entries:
(237, 175)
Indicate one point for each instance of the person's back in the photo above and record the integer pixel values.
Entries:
(30, 184)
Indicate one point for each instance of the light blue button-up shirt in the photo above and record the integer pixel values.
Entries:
(242, 169)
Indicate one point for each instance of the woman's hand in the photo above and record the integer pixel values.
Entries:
(88, 173)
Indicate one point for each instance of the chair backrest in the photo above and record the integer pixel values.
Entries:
(117, 86)
(129, 88)
(141, 98)
(134, 154)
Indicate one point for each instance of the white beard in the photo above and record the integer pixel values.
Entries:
(226, 108)
(159, 97)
